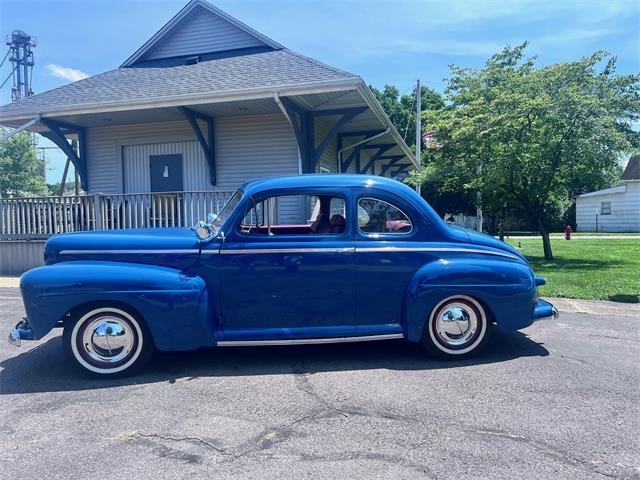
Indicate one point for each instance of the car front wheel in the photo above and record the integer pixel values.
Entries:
(457, 327)
(107, 341)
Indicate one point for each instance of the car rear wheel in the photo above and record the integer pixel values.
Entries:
(107, 341)
(457, 327)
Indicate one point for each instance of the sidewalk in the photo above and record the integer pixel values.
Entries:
(9, 282)
(596, 307)
(575, 237)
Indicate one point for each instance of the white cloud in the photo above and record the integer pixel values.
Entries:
(66, 73)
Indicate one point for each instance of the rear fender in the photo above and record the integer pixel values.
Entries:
(175, 304)
(505, 288)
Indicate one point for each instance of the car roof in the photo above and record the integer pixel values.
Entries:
(311, 180)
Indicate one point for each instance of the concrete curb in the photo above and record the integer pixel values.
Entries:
(9, 282)
(596, 307)
(575, 237)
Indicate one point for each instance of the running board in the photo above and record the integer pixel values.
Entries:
(308, 341)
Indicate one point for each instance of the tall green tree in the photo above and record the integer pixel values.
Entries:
(533, 136)
(20, 170)
(401, 108)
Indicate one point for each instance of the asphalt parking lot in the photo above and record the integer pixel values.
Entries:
(558, 400)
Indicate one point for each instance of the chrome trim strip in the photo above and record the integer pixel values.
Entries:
(137, 251)
(289, 250)
(286, 250)
(431, 249)
(308, 341)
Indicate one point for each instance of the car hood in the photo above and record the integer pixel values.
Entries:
(478, 238)
(173, 247)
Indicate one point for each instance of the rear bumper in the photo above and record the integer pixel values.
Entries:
(22, 331)
(543, 310)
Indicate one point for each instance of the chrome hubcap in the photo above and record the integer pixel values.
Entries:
(108, 339)
(456, 324)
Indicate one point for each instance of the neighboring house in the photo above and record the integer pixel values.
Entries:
(614, 209)
(203, 106)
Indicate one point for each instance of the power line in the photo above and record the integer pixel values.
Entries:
(7, 79)
(5, 57)
(406, 128)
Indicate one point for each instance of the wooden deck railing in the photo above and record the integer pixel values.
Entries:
(41, 217)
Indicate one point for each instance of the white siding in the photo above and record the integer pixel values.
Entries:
(106, 144)
(247, 147)
(625, 211)
(201, 32)
(195, 170)
(16, 257)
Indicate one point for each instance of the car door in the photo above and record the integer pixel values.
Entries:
(281, 281)
(386, 239)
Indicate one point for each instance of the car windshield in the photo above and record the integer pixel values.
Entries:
(226, 211)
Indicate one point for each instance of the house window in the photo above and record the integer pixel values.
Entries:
(605, 208)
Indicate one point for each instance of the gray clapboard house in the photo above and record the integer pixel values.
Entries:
(205, 104)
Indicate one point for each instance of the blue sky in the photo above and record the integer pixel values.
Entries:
(383, 41)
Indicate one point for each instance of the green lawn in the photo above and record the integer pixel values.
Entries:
(579, 234)
(590, 269)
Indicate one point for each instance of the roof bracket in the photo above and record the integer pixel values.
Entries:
(303, 124)
(347, 114)
(355, 154)
(393, 159)
(57, 136)
(382, 148)
(402, 169)
(208, 145)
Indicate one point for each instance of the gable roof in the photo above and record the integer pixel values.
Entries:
(243, 75)
(196, 29)
(632, 171)
(606, 191)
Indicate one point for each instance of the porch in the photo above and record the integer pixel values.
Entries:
(37, 218)
(26, 223)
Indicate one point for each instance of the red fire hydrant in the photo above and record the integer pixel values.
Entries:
(567, 232)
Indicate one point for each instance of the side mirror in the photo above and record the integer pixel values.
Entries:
(203, 231)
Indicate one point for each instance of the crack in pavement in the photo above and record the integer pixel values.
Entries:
(303, 384)
(543, 448)
(182, 439)
(281, 433)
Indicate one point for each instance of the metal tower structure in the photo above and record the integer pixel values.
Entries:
(20, 55)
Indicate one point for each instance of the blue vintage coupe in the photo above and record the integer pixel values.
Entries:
(288, 260)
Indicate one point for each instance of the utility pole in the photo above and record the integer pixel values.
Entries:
(418, 128)
(479, 205)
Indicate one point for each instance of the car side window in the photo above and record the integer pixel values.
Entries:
(377, 216)
(295, 215)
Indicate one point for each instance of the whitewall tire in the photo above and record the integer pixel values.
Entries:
(457, 327)
(107, 341)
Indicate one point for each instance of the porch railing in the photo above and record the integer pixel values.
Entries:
(41, 217)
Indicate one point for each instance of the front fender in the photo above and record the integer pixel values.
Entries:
(506, 288)
(175, 304)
